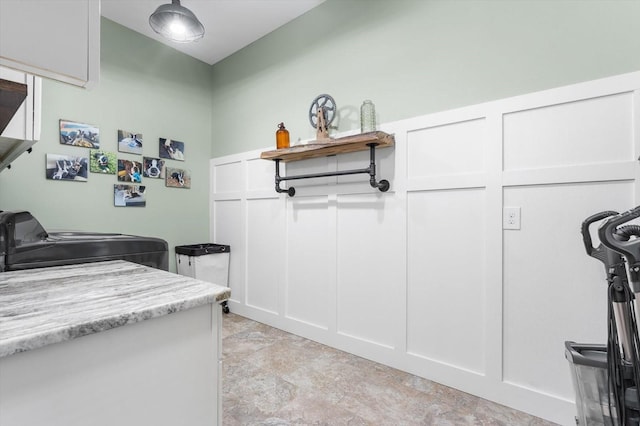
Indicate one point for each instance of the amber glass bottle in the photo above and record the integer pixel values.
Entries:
(282, 137)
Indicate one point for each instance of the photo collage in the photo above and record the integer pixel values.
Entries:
(129, 191)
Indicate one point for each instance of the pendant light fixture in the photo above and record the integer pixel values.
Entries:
(176, 23)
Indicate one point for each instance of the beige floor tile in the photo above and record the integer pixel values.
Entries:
(271, 378)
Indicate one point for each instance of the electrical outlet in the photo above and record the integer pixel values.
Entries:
(511, 218)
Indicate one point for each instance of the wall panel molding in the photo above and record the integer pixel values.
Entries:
(423, 278)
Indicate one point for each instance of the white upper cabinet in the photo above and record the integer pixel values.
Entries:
(25, 124)
(57, 39)
(23, 130)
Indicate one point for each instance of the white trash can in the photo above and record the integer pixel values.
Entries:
(206, 262)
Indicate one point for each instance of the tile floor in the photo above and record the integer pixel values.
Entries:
(271, 377)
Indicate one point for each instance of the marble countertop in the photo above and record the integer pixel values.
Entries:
(42, 306)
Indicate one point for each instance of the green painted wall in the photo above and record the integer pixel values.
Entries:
(411, 57)
(144, 87)
(415, 57)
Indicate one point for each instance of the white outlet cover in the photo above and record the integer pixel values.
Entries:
(511, 218)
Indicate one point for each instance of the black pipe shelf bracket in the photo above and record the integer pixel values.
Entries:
(329, 147)
(383, 185)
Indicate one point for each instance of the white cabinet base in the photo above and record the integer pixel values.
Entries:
(163, 371)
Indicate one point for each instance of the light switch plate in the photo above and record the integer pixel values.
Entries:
(511, 218)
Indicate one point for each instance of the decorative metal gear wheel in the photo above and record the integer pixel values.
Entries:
(329, 109)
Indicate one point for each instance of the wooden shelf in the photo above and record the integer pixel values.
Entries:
(12, 95)
(324, 148)
(361, 142)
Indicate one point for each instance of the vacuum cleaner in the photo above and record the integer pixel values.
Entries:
(606, 377)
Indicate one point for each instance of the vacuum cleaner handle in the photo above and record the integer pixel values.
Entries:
(619, 240)
(597, 252)
(613, 261)
(608, 234)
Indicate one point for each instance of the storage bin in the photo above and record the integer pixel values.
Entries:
(206, 262)
(590, 382)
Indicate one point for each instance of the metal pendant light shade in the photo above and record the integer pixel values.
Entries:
(176, 23)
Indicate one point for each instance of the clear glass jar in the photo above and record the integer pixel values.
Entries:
(367, 117)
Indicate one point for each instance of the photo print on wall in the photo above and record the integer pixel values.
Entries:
(130, 142)
(129, 171)
(79, 134)
(178, 178)
(153, 168)
(129, 196)
(103, 162)
(171, 149)
(67, 167)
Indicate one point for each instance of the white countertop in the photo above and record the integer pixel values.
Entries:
(42, 306)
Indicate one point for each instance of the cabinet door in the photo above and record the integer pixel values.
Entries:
(58, 39)
(24, 128)
(25, 124)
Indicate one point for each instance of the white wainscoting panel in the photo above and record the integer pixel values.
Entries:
(228, 177)
(370, 254)
(449, 149)
(553, 291)
(266, 253)
(446, 285)
(423, 278)
(586, 131)
(309, 254)
(260, 174)
(314, 165)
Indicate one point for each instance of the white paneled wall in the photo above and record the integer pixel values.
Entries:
(448, 149)
(265, 253)
(309, 252)
(368, 267)
(423, 278)
(585, 131)
(549, 288)
(446, 280)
